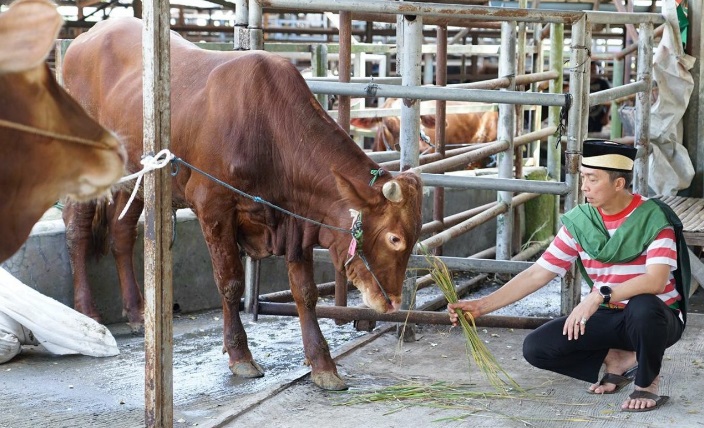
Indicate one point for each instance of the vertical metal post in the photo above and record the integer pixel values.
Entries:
(520, 69)
(557, 43)
(616, 125)
(158, 261)
(400, 36)
(411, 76)
(507, 126)
(252, 39)
(256, 19)
(474, 66)
(343, 119)
(345, 66)
(59, 50)
(241, 40)
(319, 60)
(642, 130)
(410, 130)
(251, 286)
(586, 82)
(428, 69)
(537, 113)
(440, 117)
(579, 66)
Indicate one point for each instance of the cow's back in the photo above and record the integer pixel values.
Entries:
(219, 99)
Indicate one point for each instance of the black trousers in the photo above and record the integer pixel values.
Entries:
(646, 326)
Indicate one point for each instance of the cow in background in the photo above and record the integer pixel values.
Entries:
(249, 119)
(49, 146)
(461, 128)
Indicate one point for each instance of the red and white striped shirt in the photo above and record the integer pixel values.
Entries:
(564, 250)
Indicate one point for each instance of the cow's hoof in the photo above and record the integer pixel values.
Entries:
(247, 369)
(329, 381)
(137, 329)
(364, 325)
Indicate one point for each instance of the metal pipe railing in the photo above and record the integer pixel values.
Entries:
(608, 95)
(437, 225)
(471, 223)
(445, 11)
(412, 317)
(436, 93)
(505, 82)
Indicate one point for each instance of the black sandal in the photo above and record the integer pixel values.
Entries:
(659, 400)
(620, 381)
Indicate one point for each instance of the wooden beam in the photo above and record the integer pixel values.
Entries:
(158, 262)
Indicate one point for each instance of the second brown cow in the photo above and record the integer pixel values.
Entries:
(461, 128)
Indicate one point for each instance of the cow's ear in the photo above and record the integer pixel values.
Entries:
(358, 192)
(365, 122)
(428, 120)
(27, 30)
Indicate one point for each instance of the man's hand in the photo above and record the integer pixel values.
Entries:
(467, 306)
(576, 322)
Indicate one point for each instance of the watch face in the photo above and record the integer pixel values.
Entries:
(605, 292)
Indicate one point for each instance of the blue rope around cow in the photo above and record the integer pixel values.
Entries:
(257, 199)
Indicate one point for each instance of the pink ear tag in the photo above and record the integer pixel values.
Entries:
(353, 247)
(353, 242)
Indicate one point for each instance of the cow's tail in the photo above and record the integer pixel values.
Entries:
(99, 229)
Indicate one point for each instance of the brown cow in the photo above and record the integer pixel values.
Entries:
(462, 128)
(248, 118)
(49, 146)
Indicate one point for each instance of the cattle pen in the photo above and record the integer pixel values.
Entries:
(566, 129)
(411, 54)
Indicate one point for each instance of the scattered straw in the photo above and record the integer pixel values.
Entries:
(484, 359)
(464, 399)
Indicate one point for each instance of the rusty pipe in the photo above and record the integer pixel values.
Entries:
(415, 317)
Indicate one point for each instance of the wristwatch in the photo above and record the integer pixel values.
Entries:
(605, 292)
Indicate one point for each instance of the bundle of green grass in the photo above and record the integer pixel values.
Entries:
(483, 358)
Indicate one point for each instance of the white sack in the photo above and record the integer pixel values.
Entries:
(60, 329)
(670, 167)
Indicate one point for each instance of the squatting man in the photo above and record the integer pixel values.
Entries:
(630, 250)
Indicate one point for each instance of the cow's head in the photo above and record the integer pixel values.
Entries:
(49, 146)
(390, 211)
(57, 162)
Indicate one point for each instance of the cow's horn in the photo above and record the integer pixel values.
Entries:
(392, 191)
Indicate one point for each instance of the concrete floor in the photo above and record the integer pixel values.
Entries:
(77, 391)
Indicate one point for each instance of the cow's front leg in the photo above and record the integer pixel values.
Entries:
(220, 235)
(323, 368)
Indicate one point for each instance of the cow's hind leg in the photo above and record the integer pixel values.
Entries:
(323, 368)
(78, 218)
(124, 235)
(219, 234)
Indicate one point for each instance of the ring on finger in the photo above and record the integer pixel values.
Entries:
(584, 321)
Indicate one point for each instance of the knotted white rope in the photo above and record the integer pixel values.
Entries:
(149, 163)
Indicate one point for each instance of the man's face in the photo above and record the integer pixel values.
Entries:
(597, 186)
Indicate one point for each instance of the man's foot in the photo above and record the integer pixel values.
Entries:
(616, 361)
(618, 381)
(644, 399)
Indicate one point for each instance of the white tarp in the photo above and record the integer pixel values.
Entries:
(28, 317)
(670, 167)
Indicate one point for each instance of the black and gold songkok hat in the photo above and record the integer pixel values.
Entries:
(608, 155)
